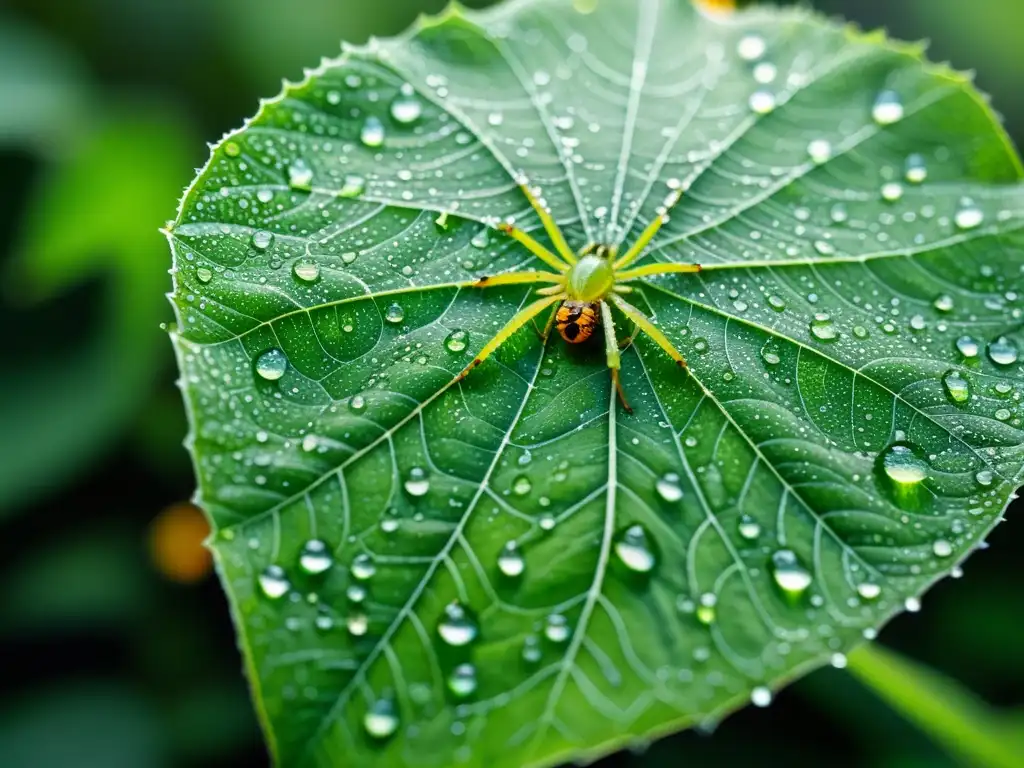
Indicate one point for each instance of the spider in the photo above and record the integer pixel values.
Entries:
(583, 285)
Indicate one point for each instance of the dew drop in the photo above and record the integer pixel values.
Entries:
(749, 528)
(956, 387)
(984, 477)
(823, 329)
(406, 108)
(353, 186)
(968, 216)
(521, 485)
(943, 303)
(751, 47)
(706, 610)
(372, 133)
(789, 574)
(888, 108)
(903, 466)
(272, 364)
(357, 624)
(765, 72)
(300, 176)
(820, 150)
(231, 149)
(417, 483)
(510, 560)
(942, 548)
(306, 270)
(912, 604)
(273, 582)
(556, 629)
(824, 247)
(203, 275)
(357, 404)
(462, 680)
(394, 314)
(457, 627)
(668, 487)
(262, 239)
(457, 341)
(967, 346)
(634, 549)
(481, 239)
(915, 171)
(761, 696)
(531, 649)
(762, 102)
(777, 303)
(381, 720)
(868, 590)
(1002, 351)
(363, 568)
(315, 557)
(892, 191)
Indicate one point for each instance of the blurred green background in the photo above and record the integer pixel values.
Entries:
(115, 641)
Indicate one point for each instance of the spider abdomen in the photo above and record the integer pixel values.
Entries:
(576, 320)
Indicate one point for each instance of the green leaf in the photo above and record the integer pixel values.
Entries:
(847, 432)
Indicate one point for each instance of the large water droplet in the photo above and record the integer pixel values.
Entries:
(406, 108)
(915, 171)
(869, 590)
(557, 628)
(363, 567)
(634, 549)
(892, 191)
(457, 627)
(820, 150)
(789, 573)
(888, 108)
(943, 303)
(823, 329)
(457, 341)
(1002, 351)
(903, 466)
(272, 364)
(372, 134)
(462, 680)
(394, 314)
(762, 102)
(968, 216)
(749, 528)
(751, 47)
(381, 719)
(315, 557)
(203, 275)
(418, 482)
(967, 346)
(306, 270)
(262, 239)
(354, 186)
(300, 175)
(942, 548)
(668, 487)
(274, 582)
(706, 609)
(956, 387)
(761, 696)
(510, 560)
(357, 624)
(521, 485)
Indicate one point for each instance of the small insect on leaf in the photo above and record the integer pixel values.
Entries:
(567, 373)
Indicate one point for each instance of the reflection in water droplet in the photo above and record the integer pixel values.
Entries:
(943, 303)
(381, 720)
(418, 482)
(668, 487)
(820, 150)
(354, 186)
(272, 364)
(968, 216)
(749, 528)
(777, 303)
(762, 102)
(903, 466)
(888, 108)
(634, 549)
(706, 608)
(823, 329)
(915, 171)
(457, 340)
(892, 191)
(306, 270)
(315, 557)
(510, 560)
(462, 680)
(751, 47)
(761, 696)
(394, 314)
(300, 176)
(985, 477)
(912, 604)
(262, 239)
(274, 582)
(789, 573)
(557, 628)
(457, 627)
(203, 275)
(869, 590)
(406, 108)
(363, 567)
(967, 346)
(1002, 351)
(357, 624)
(372, 134)
(942, 548)
(956, 387)
(231, 149)
(521, 485)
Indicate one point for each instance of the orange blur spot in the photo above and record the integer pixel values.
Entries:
(176, 543)
(716, 7)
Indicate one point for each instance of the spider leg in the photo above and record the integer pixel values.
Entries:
(660, 268)
(521, 318)
(547, 326)
(647, 327)
(515, 278)
(611, 349)
(550, 226)
(647, 235)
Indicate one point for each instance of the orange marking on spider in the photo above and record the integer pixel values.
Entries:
(584, 286)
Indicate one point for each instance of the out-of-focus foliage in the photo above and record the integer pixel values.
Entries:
(105, 658)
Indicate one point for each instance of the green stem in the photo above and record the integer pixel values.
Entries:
(951, 715)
